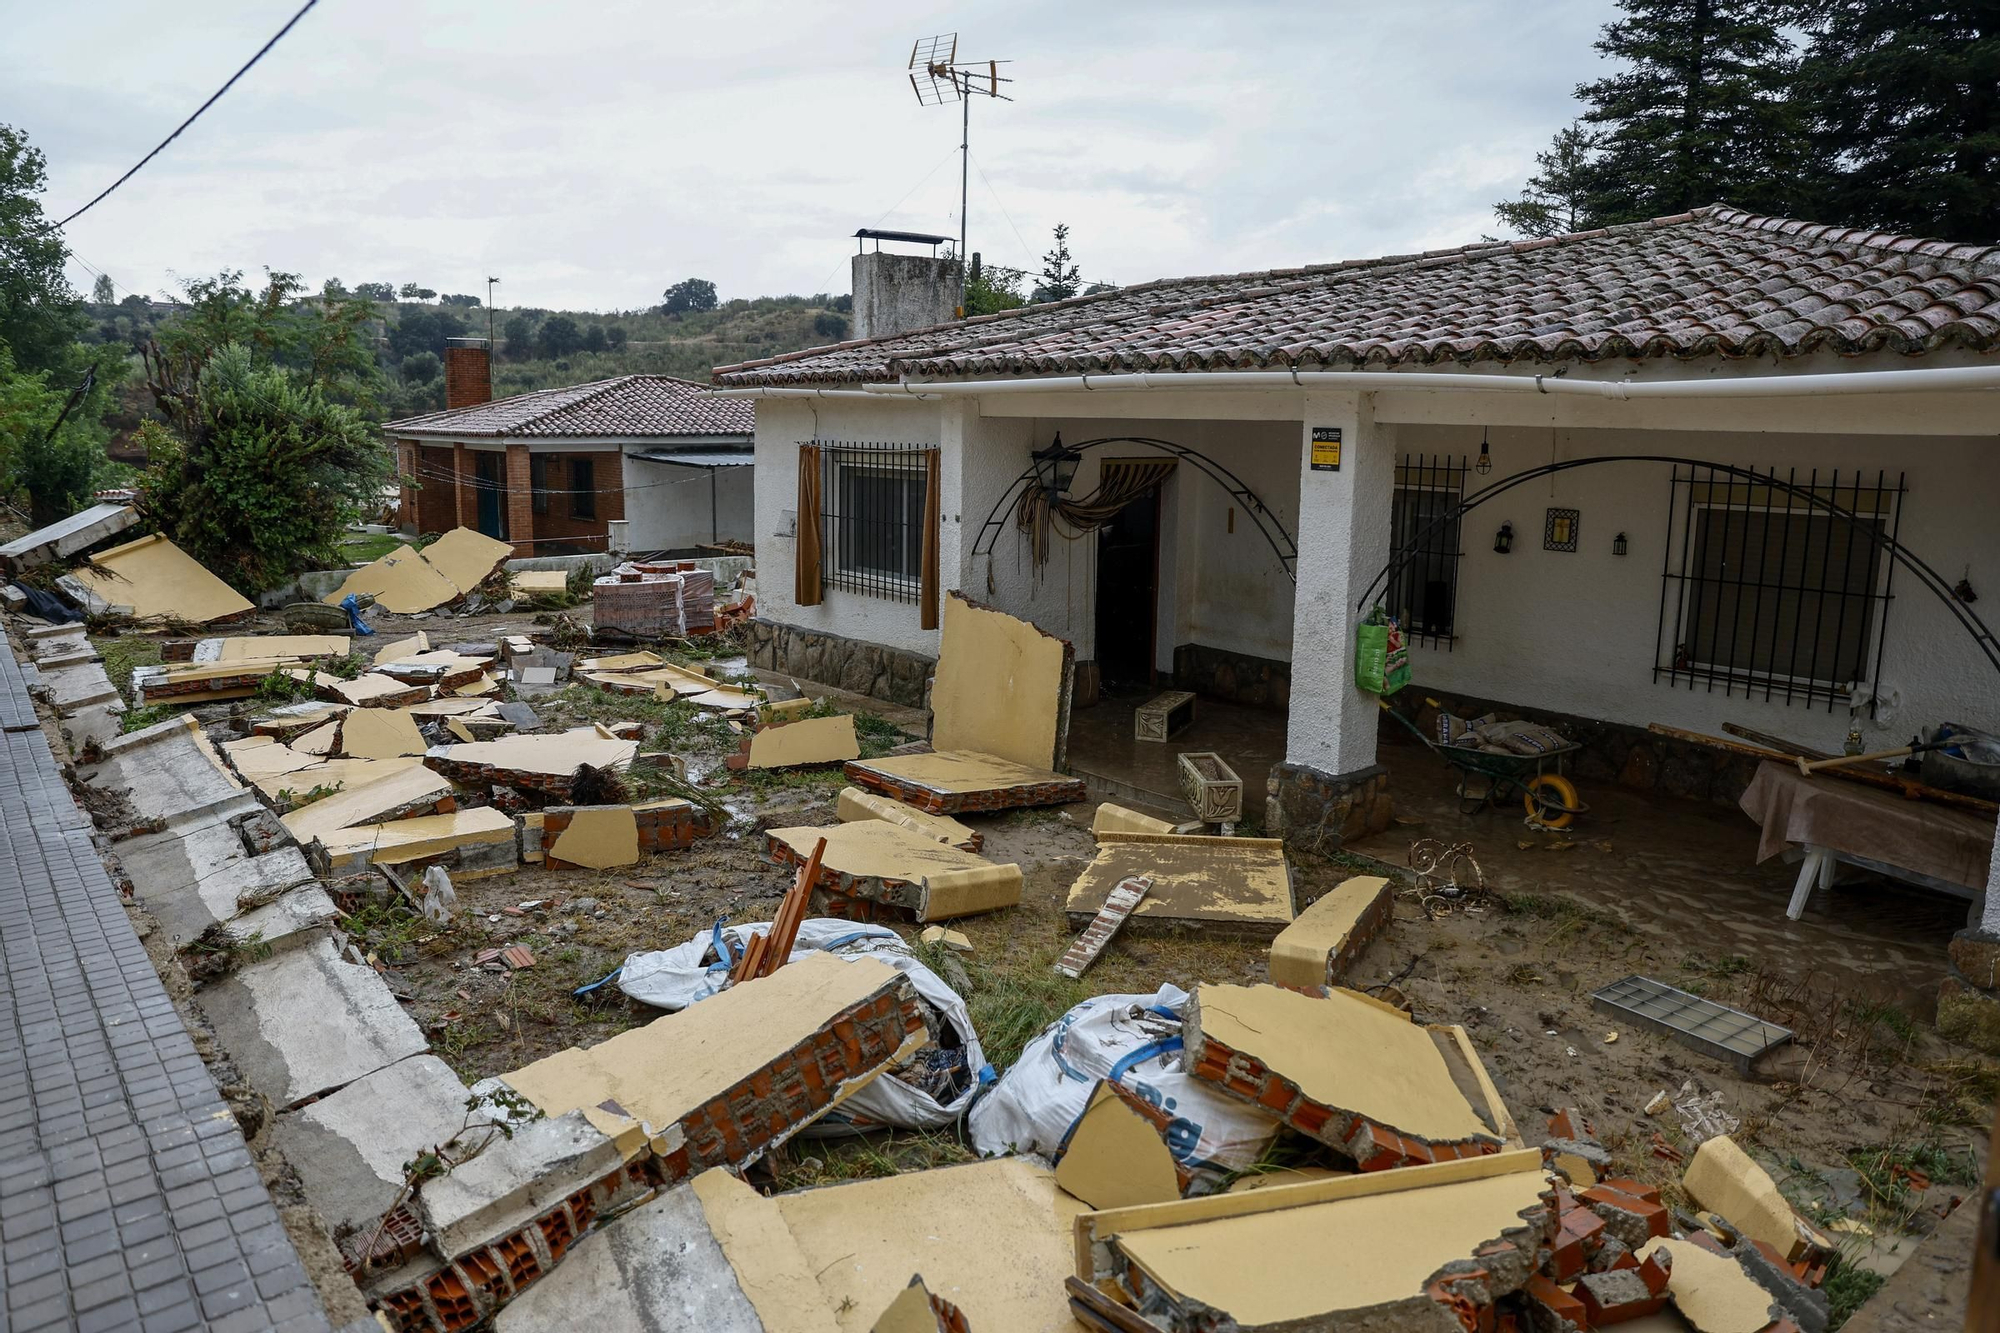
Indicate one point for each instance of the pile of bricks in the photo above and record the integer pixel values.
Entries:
(648, 599)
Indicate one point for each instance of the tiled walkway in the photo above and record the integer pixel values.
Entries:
(127, 1197)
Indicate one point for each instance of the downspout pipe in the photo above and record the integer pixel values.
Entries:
(1920, 380)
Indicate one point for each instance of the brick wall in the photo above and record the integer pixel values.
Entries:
(520, 501)
(437, 509)
(468, 377)
(559, 523)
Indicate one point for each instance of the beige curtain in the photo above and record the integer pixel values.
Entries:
(933, 521)
(1120, 481)
(806, 577)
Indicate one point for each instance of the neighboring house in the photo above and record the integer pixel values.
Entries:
(552, 470)
(1255, 447)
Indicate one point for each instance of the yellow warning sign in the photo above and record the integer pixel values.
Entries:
(1326, 448)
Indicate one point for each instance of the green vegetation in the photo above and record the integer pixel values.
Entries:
(368, 547)
(1858, 112)
(830, 1161)
(1846, 1289)
(122, 654)
(282, 687)
(138, 719)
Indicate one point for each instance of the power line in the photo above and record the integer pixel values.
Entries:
(213, 98)
(1026, 249)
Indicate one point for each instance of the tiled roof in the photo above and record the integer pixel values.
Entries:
(1714, 282)
(643, 405)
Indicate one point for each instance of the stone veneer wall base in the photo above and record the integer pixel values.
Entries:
(854, 665)
(1316, 811)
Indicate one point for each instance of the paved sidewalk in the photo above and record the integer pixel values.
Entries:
(128, 1199)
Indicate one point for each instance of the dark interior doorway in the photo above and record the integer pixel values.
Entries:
(1128, 593)
(490, 470)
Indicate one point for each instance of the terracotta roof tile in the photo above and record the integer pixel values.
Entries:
(629, 405)
(1714, 282)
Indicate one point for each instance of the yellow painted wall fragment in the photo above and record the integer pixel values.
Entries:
(340, 774)
(599, 837)
(533, 581)
(399, 649)
(380, 733)
(1114, 1158)
(910, 1312)
(783, 709)
(367, 688)
(1299, 955)
(465, 557)
(959, 771)
(999, 686)
(953, 893)
(556, 755)
(1711, 1291)
(295, 646)
(812, 740)
(402, 581)
(405, 840)
(855, 804)
(1117, 819)
(770, 1268)
(1237, 882)
(321, 739)
(1723, 1179)
(367, 802)
(1344, 1054)
(157, 579)
(661, 1071)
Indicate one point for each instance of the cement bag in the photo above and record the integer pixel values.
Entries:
(1134, 1040)
(929, 1092)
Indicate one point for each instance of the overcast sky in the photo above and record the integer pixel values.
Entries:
(588, 154)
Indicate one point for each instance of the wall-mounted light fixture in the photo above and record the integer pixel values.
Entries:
(1503, 540)
(1618, 545)
(1056, 467)
(1485, 463)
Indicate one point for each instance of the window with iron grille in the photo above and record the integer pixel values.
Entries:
(1424, 594)
(582, 488)
(872, 519)
(1769, 591)
(538, 482)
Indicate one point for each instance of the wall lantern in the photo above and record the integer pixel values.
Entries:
(1485, 463)
(1056, 467)
(1503, 540)
(1618, 546)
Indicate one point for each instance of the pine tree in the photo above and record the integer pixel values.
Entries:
(1060, 278)
(1701, 114)
(1906, 100)
(1555, 200)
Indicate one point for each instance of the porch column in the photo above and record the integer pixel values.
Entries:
(1330, 788)
(1969, 998)
(461, 486)
(520, 501)
(407, 458)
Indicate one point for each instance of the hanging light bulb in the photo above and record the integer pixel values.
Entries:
(1485, 463)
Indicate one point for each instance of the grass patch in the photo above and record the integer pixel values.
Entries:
(138, 719)
(1881, 1013)
(388, 927)
(1890, 1172)
(831, 1161)
(282, 687)
(124, 652)
(1010, 1008)
(1846, 1289)
(369, 546)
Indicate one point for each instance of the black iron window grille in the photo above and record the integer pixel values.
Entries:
(583, 488)
(872, 518)
(538, 482)
(1780, 586)
(1424, 595)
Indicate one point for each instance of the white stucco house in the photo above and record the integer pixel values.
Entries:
(1794, 405)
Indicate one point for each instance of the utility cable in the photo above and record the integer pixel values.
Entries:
(212, 100)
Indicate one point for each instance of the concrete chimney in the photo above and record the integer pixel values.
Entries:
(468, 372)
(897, 293)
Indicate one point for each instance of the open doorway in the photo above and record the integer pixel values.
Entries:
(1128, 593)
(490, 471)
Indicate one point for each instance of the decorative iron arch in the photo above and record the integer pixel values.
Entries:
(1282, 543)
(1939, 587)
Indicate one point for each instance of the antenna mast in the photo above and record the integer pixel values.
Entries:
(938, 76)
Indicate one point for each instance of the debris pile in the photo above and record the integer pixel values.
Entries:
(408, 581)
(647, 600)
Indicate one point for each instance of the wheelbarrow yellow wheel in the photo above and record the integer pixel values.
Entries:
(1551, 800)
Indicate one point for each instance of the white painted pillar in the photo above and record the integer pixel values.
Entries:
(1344, 520)
(1989, 922)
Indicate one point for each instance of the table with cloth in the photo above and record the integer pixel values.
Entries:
(1835, 821)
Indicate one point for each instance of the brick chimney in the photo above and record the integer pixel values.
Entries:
(468, 372)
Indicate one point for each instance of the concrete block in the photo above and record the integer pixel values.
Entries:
(167, 769)
(307, 1022)
(1328, 937)
(191, 877)
(295, 919)
(94, 724)
(349, 1148)
(71, 687)
(514, 1180)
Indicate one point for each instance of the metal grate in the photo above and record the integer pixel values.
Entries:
(872, 518)
(1711, 1028)
(1424, 595)
(1779, 587)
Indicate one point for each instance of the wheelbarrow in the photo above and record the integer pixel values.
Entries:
(1486, 780)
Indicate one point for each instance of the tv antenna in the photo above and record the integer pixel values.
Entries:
(938, 76)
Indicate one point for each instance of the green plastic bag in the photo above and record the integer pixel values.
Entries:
(1381, 659)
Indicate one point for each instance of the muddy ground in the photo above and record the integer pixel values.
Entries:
(1867, 1116)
